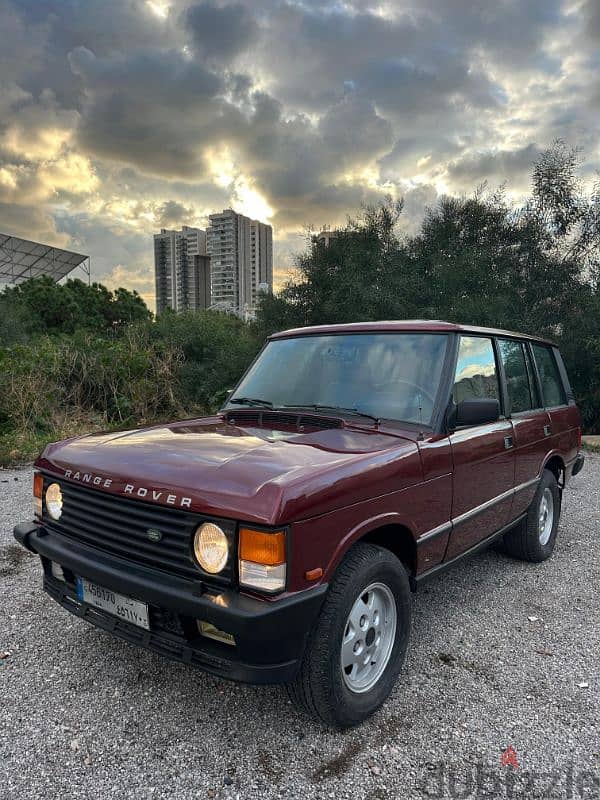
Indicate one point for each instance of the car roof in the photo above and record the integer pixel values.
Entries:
(423, 325)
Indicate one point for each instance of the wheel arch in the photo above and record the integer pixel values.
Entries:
(389, 532)
(399, 540)
(555, 464)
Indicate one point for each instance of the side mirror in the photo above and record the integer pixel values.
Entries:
(476, 412)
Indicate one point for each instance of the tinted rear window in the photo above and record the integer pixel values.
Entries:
(552, 386)
(517, 377)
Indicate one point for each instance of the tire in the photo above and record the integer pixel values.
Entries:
(343, 696)
(531, 540)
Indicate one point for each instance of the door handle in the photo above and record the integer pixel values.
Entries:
(508, 442)
(547, 430)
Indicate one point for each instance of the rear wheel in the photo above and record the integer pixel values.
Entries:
(535, 537)
(357, 648)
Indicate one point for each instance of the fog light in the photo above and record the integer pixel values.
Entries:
(211, 632)
(54, 501)
(211, 548)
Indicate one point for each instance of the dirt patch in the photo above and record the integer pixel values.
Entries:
(11, 559)
(339, 765)
(479, 670)
(269, 767)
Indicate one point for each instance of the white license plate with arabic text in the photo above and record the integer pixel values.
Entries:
(126, 608)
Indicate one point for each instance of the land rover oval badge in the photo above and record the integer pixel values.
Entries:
(154, 534)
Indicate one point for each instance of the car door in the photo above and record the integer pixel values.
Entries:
(483, 461)
(531, 423)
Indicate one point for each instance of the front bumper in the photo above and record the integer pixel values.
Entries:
(270, 635)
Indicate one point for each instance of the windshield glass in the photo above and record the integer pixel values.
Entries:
(387, 375)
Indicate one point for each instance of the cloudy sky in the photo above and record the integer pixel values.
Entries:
(118, 117)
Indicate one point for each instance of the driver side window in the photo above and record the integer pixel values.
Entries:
(476, 374)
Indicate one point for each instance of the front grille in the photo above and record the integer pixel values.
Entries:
(118, 525)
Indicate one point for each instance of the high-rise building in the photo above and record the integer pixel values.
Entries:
(241, 256)
(182, 270)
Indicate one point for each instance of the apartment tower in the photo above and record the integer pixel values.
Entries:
(182, 270)
(241, 255)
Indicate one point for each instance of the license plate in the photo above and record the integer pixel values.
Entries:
(128, 609)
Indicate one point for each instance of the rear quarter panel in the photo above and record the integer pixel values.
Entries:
(565, 422)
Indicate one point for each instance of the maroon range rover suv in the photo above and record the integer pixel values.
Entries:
(279, 540)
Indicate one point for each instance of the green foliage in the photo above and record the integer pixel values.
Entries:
(54, 386)
(216, 348)
(40, 305)
(130, 379)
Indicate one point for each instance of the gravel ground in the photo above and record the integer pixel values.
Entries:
(503, 654)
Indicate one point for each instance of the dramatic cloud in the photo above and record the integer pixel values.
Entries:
(121, 117)
(221, 32)
(511, 166)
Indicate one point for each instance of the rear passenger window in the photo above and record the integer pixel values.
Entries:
(476, 375)
(552, 387)
(517, 378)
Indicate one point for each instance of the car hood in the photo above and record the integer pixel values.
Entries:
(256, 474)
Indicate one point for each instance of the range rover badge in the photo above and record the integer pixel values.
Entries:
(154, 534)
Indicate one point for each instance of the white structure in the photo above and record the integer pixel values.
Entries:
(182, 270)
(325, 236)
(241, 255)
(21, 259)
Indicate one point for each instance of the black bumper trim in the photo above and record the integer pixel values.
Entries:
(270, 634)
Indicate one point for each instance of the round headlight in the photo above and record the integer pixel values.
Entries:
(211, 547)
(54, 501)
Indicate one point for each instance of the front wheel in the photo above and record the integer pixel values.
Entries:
(354, 654)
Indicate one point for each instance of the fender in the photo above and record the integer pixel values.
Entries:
(361, 530)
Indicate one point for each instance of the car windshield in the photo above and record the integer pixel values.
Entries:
(385, 375)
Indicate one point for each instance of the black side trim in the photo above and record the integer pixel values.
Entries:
(425, 576)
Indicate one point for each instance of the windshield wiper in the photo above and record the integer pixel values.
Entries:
(252, 401)
(355, 411)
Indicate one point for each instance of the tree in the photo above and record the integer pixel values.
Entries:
(64, 308)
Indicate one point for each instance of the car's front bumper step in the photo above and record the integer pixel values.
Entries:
(172, 646)
(270, 635)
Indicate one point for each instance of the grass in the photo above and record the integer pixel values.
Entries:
(21, 448)
(18, 449)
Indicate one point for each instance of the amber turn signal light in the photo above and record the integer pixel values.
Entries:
(262, 547)
(38, 490)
